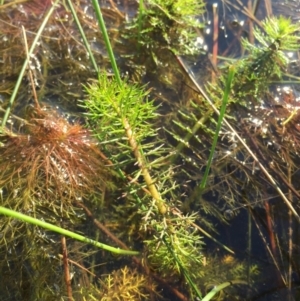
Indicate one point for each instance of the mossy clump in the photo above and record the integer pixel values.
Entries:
(169, 24)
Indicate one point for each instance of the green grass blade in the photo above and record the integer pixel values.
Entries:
(183, 270)
(48, 226)
(85, 41)
(216, 136)
(18, 83)
(140, 22)
(107, 41)
(220, 287)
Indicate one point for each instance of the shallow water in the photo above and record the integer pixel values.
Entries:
(61, 65)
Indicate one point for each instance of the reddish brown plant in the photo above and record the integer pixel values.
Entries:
(51, 160)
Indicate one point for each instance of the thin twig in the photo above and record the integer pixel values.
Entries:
(246, 11)
(215, 34)
(268, 5)
(267, 246)
(66, 268)
(80, 266)
(290, 243)
(250, 22)
(30, 71)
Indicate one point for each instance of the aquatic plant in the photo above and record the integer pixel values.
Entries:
(46, 167)
(122, 285)
(123, 113)
(265, 62)
(63, 168)
(50, 159)
(167, 24)
(249, 88)
(170, 251)
(255, 119)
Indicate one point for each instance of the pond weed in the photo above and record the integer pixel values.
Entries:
(128, 128)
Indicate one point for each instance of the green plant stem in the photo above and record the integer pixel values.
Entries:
(86, 44)
(147, 177)
(21, 74)
(183, 270)
(199, 124)
(141, 162)
(216, 136)
(142, 165)
(48, 226)
(140, 22)
(106, 40)
(220, 287)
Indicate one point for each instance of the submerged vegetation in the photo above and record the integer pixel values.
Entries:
(51, 160)
(167, 24)
(153, 167)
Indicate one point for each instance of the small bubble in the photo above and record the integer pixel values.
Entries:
(229, 214)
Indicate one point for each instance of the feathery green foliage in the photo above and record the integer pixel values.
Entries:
(169, 24)
(266, 61)
(121, 116)
(279, 30)
(125, 113)
(184, 242)
(125, 122)
(111, 107)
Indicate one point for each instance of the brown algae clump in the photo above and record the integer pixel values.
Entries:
(50, 160)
